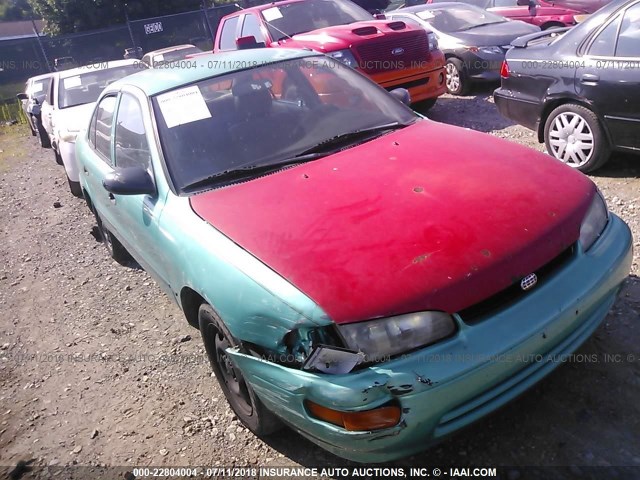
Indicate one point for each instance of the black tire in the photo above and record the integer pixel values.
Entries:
(58, 157)
(41, 133)
(424, 105)
(112, 244)
(32, 125)
(598, 154)
(74, 187)
(455, 69)
(241, 397)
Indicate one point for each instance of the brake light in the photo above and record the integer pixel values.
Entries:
(504, 69)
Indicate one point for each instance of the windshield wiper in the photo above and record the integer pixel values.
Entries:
(479, 25)
(350, 136)
(230, 176)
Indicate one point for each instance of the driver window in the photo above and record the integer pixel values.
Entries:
(131, 146)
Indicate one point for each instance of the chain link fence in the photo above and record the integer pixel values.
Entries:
(23, 58)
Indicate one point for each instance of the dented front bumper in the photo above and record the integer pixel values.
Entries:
(447, 386)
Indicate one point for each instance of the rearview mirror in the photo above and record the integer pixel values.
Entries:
(22, 96)
(402, 94)
(245, 43)
(129, 181)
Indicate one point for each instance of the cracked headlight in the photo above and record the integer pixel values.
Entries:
(594, 221)
(394, 335)
(344, 56)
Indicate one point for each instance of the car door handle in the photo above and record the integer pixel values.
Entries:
(112, 199)
(86, 172)
(589, 78)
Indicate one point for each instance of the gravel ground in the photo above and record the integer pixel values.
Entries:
(97, 367)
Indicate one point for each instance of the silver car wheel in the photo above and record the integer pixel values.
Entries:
(453, 77)
(571, 139)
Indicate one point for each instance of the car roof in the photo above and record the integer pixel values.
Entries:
(92, 68)
(40, 77)
(170, 49)
(152, 82)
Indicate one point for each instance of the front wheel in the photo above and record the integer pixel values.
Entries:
(457, 80)
(41, 133)
(573, 135)
(424, 105)
(241, 397)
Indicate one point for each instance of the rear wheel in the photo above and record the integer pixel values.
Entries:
(241, 397)
(74, 187)
(112, 244)
(573, 135)
(457, 80)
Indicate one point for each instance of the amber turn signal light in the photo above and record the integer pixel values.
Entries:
(376, 419)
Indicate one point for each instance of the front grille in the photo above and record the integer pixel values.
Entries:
(377, 55)
(512, 294)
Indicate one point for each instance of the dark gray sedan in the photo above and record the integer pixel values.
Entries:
(473, 40)
(579, 90)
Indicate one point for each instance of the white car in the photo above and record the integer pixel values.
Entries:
(69, 104)
(168, 55)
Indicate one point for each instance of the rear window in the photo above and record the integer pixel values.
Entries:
(87, 87)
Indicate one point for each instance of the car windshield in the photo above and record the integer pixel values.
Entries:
(86, 87)
(289, 19)
(240, 125)
(458, 18)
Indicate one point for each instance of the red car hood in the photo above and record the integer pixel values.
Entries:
(339, 37)
(430, 217)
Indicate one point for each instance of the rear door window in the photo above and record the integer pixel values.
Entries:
(629, 37)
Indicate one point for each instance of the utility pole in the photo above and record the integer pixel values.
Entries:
(133, 40)
(207, 22)
(39, 40)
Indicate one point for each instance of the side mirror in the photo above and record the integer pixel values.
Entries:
(129, 181)
(380, 16)
(245, 43)
(402, 94)
(22, 96)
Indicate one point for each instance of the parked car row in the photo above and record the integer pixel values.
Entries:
(354, 274)
(60, 103)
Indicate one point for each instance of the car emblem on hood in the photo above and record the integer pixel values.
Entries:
(528, 282)
(397, 51)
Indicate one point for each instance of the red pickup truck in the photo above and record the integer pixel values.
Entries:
(391, 53)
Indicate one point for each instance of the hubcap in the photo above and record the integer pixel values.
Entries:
(233, 379)
(453, 78)
(571, 139)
